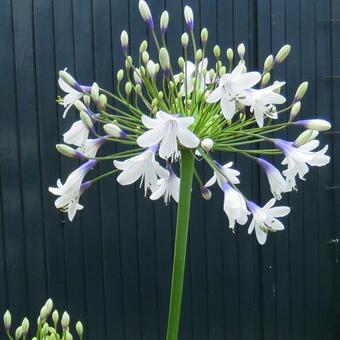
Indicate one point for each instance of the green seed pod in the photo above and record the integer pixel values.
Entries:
(282, 54)
(217, 51)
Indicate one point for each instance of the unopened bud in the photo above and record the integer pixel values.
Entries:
(55, 317)
(223, 71)
(160, 95)
(189, 18)
(268, 63)
(95, 93)
(164, 60)
(206, 193)
(294, 111)
(68, 79)
(120, 75)
(87, 100)
(114, 131)
(124, 41)
(204, 36)
(241, 50)
(128, 88)
(79, 329)
(282, 54)
(217, 51)
(164, 22)
(138, 89)
(87, 121)
(185, 40)
(80, 106)
(301, 91)
(265, 79)
(199, 55)
(154, 102)
(102, 102)
(7, 321)
(314, 124)
(207, 144)
(143, 46)
(68, 152)
(44, 330)
(230, 55)
(145, 57)
(44, 309)
(212, 75)
(145, 12)
(25, 325)
(65, 321)
(181, 63)
(69, 336)
(305, 137)
(18, 333)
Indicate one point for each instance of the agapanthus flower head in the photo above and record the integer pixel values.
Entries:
(194, 108)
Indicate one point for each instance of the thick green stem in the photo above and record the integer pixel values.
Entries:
(182, 227)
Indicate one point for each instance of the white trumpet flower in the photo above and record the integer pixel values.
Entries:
(77, 134)
(265, 219)
(299, 157)
(142, 166)
(231, 88)
(74, 90)
(167, 186)
(226, 174)
(72, 189)
(234, 206)
(166, 129)
(261, 102)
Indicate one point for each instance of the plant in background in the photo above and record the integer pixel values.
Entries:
(44, 330)
(165, 114)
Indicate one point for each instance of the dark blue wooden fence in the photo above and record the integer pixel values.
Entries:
(111, 267)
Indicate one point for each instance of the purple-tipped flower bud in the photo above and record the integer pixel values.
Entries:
(189, 18)
(206, 193)
(124, 40)
(69, 152)
(145, 12)
(68, 79)
(164, 60)
(115, 131)
(314, 124)
(85, 118)
(164, 22)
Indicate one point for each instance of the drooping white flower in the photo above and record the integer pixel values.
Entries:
(70, 192)
(231, 88)
(91, 146)
(276, 181)
(234, 206)
(299, 157)
(142, 166)
(74, 90)
(265, 219)
(189, 77)
(167, 186)
(261, 102)
(230, 175)
(166, 129)
(77, 134)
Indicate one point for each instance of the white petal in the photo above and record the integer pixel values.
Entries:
(227, 106)
(131, 174)
(211, 181)
(260, 235)
(247, 80)
(151, 137)
(214, 96)
(150, 123)
(279, 211)
(187, 138)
